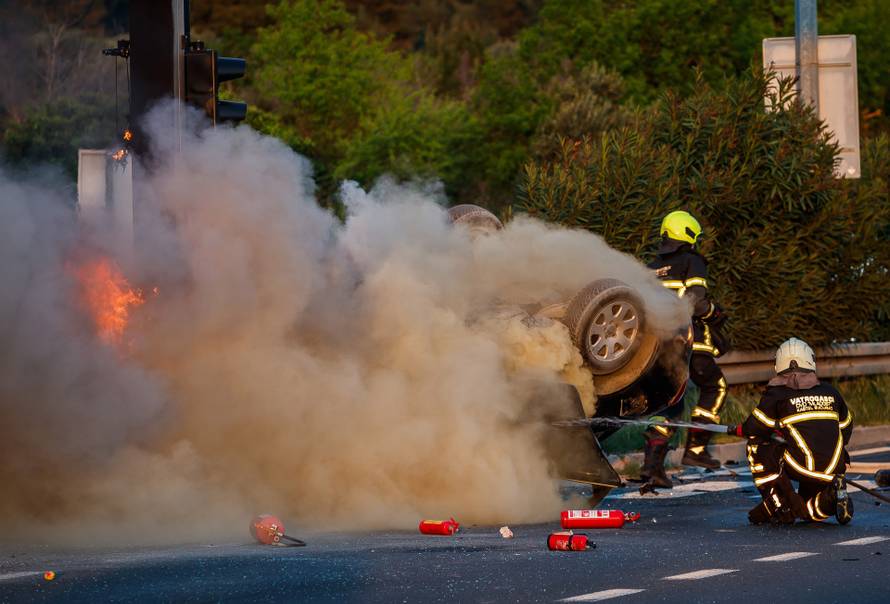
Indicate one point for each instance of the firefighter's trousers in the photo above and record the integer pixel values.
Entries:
(705, 373)
(814, 499)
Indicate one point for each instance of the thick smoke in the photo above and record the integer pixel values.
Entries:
(356, 375)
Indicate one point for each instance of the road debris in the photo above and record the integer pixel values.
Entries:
(596, 518)
(439, 527)
(505, 532)
(269, 530)
(565, 541)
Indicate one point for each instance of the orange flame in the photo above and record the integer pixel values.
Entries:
(108, 297)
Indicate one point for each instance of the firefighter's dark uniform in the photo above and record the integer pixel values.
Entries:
(816, 425)
(682, 269)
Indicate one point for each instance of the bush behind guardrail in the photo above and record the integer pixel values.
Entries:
(792, 250)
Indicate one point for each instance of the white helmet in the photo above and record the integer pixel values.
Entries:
(797, 352)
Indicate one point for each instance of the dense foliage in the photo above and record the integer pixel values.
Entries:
(466, 91)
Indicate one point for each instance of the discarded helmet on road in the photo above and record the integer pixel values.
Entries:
(795, 354)
(681, 226)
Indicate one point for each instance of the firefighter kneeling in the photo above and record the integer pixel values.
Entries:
(815, 424)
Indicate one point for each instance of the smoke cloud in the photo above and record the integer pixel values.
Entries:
(363, 374)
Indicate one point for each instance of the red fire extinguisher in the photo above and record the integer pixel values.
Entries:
(439, 527)
(269, 530)
(596, 518)
(567, 541)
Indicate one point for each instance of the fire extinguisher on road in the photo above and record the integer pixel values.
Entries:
(439, 527)
(596, 518)
(567, 541)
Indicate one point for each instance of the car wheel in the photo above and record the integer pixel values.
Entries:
(475, 218)
(607, 324)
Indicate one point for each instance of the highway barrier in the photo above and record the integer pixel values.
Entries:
(841, 360)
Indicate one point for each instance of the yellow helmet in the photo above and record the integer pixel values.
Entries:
(681, 226)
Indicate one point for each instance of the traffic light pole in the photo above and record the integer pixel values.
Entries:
(157, 29)
(165, 63)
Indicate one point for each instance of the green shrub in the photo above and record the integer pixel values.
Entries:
(586, 103)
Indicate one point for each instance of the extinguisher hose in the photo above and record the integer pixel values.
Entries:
(869, 491)
(292, 541)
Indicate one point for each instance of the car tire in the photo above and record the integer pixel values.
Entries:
(475, 218)
(607, 324)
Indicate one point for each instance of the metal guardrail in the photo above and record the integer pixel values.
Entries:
(870, 358)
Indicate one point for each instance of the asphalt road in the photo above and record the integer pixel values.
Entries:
(690, 545)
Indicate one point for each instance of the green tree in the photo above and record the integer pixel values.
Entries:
(453, 54)
(509, 105)
(654, 44)
(867, 20)
(230, 25)
(415, 136)
(318, 76)
(410, 23)
(53, 132)
(792, 249)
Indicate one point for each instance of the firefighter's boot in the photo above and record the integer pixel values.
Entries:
(696, 453)
(759, 514)
(653, 473)
(774, 508)
(844, 505)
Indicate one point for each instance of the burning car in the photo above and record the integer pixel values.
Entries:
(637, 370)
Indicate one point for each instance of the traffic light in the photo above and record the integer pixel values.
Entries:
(204, 71)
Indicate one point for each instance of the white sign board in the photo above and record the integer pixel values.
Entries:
(838, 90)
(91, 181)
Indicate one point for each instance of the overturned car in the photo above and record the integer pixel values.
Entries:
(637, 370)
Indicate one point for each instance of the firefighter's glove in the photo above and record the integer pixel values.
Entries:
(715, 316)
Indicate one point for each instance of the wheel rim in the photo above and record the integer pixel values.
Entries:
(613, 331)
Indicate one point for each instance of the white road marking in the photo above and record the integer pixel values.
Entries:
(19, 575)
(864, 541)
(685, 490)
(869, 451)
(599, 596)
(786, 557)
(701, 574)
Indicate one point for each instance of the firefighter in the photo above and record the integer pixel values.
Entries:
(815, 427)
(681, 268)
